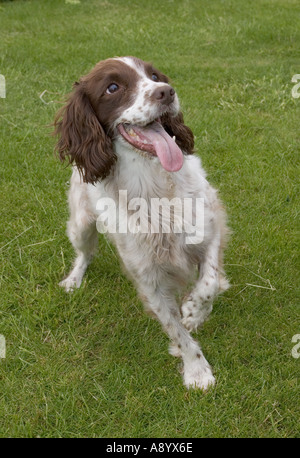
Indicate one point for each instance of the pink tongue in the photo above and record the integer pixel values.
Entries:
(169, 154)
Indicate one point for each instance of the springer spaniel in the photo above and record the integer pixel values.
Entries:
(123, 131)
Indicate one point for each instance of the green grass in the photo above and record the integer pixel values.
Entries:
(92, 363)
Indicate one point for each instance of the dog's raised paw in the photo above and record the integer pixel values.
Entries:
(194, 313)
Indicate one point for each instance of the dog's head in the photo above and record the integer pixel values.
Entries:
(125, 99)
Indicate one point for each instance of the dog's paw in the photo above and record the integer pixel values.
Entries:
(194, 313)
(69, 284)
(197, 307)
(198, 374)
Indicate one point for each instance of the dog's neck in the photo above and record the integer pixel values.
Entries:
(140, 175)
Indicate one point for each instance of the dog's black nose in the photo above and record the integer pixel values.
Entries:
(164, 94)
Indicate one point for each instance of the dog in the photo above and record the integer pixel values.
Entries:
(124, 134)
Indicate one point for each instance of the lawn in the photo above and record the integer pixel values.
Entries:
(93, 364)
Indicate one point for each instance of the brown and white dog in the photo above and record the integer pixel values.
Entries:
(122, 130)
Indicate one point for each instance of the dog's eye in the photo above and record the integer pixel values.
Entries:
(154, 77)
(112, 88)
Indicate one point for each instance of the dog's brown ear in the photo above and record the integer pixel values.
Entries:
(174, 125)
(82, 139)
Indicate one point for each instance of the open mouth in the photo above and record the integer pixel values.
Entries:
(154, 140)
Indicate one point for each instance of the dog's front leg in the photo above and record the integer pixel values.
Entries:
(81, 230)
(196, 370)
(198, 305)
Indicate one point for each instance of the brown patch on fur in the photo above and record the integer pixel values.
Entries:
(83, 124)
(82, 139)
(174, 125)
(149, 70)
(108, 107)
